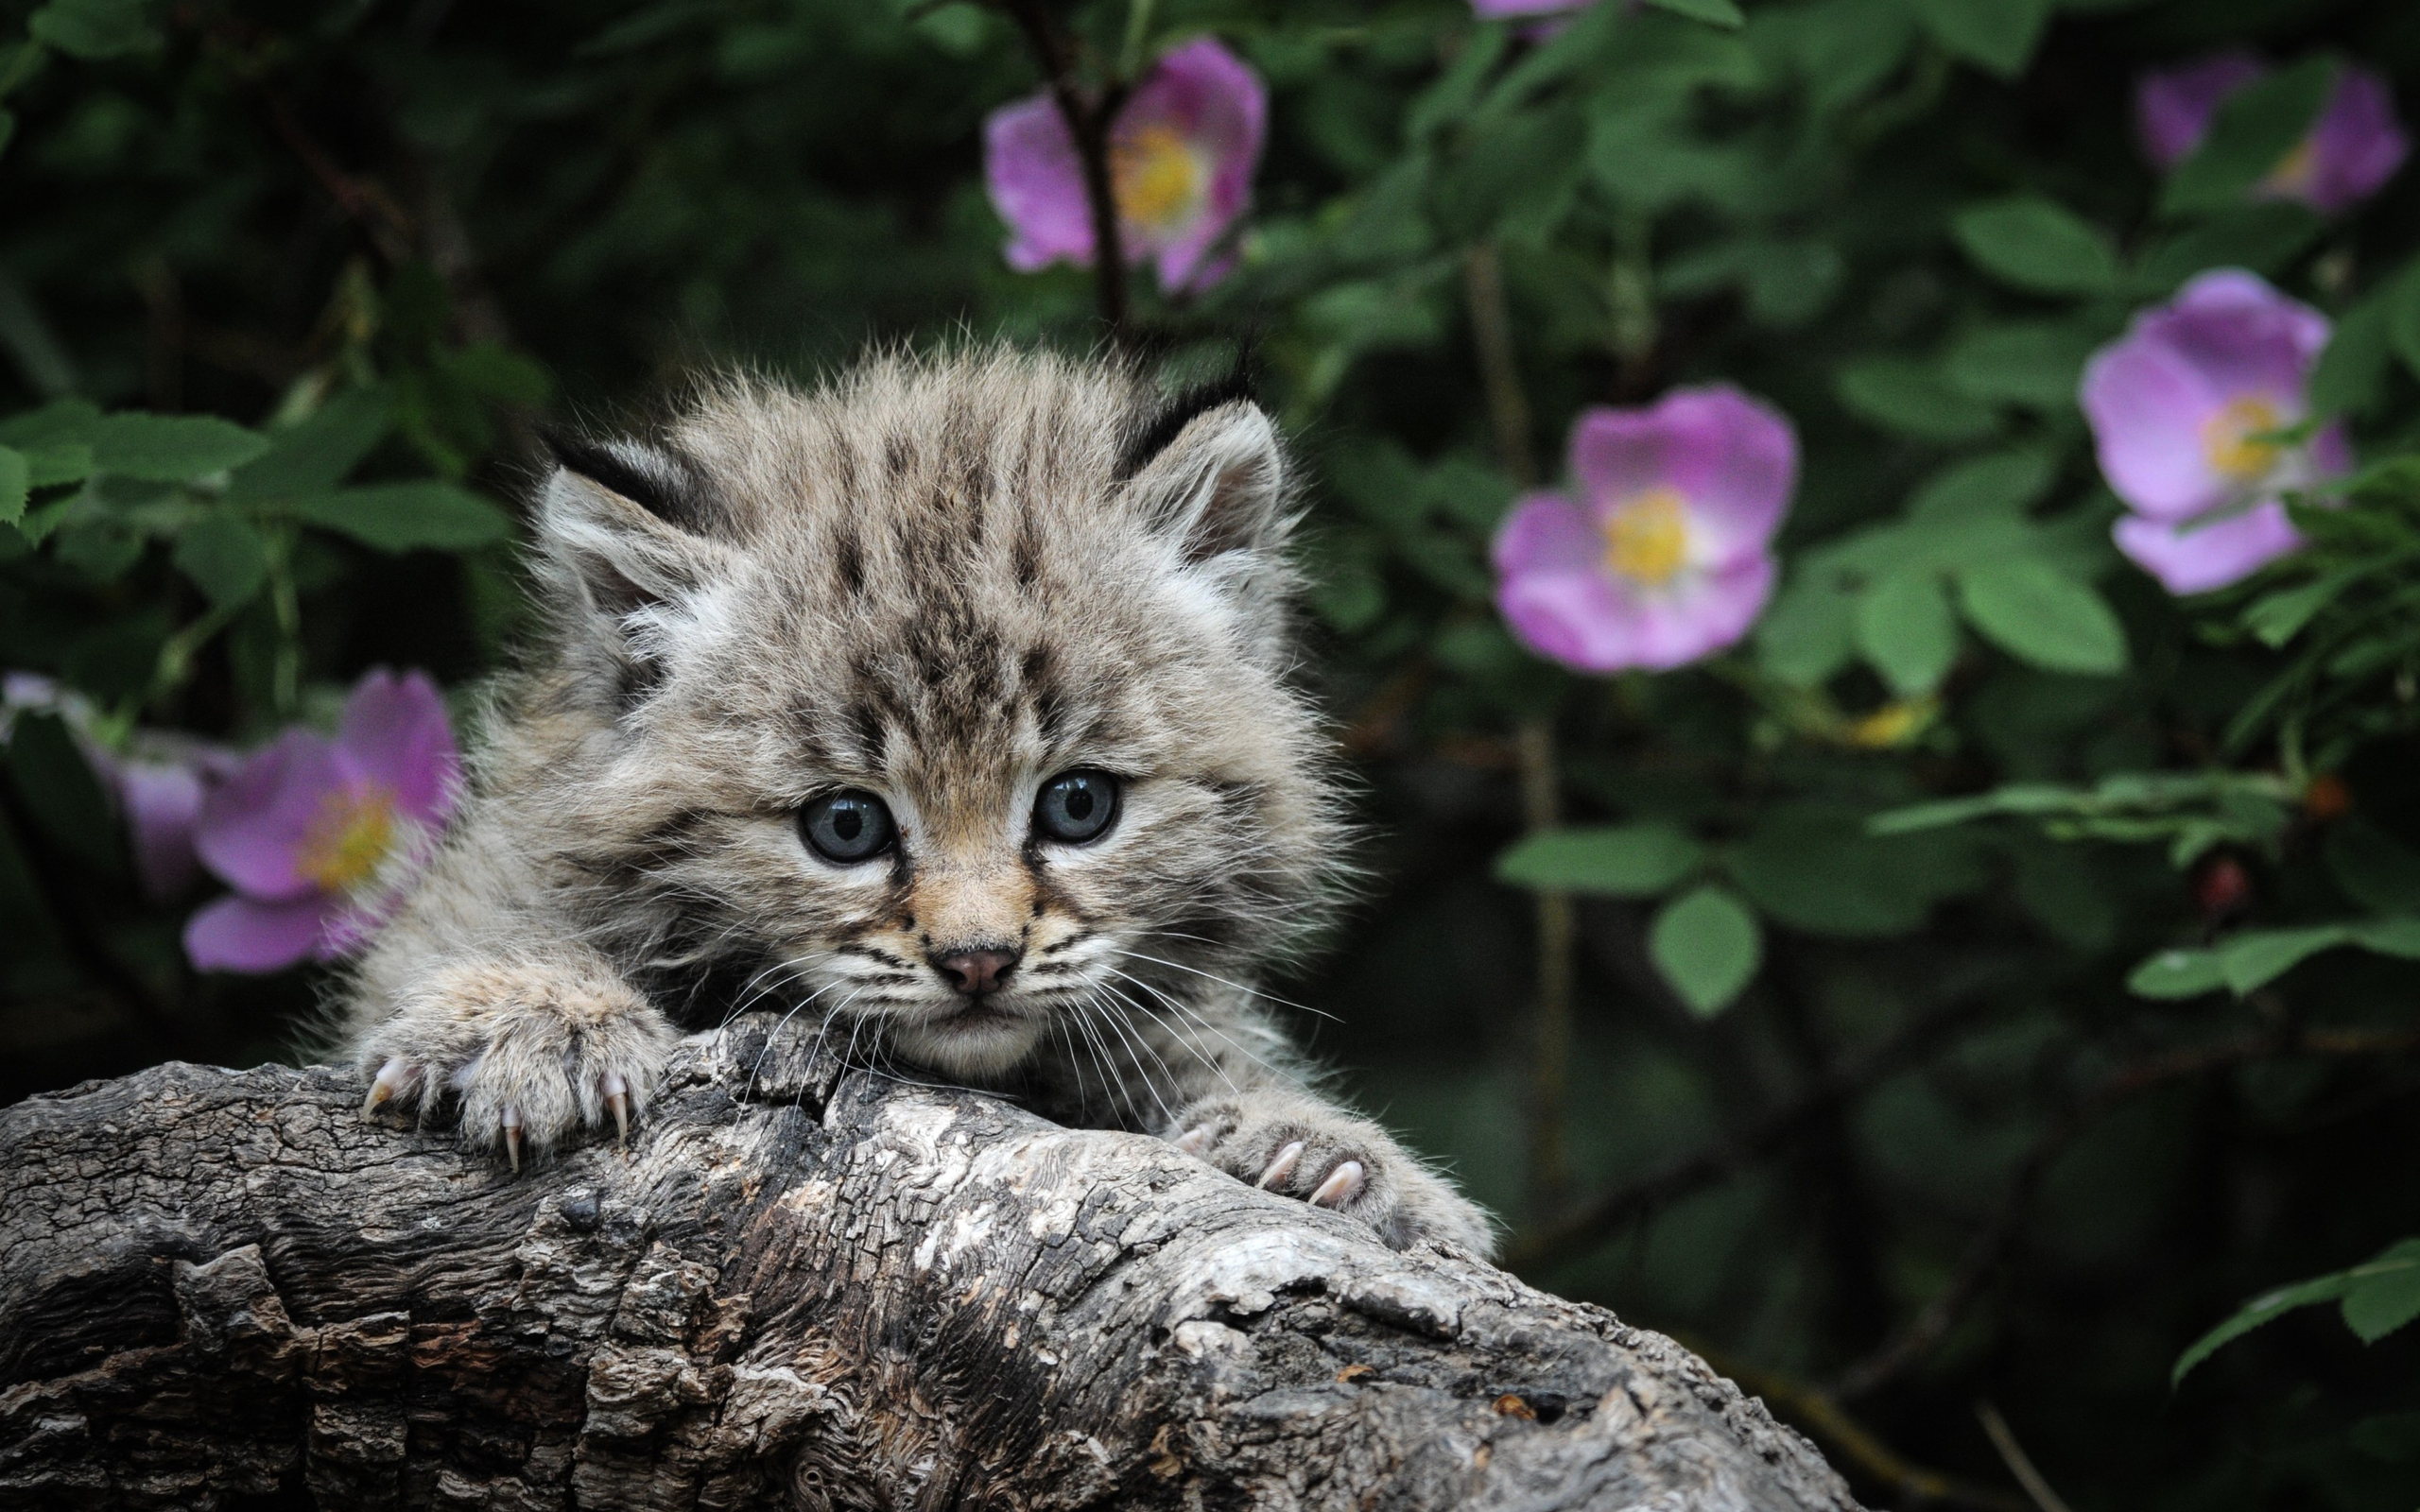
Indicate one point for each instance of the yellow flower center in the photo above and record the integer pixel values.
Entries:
(348, 837)
(1894, 724)
(1647, 539)
(1156, 177)
(2235, 439)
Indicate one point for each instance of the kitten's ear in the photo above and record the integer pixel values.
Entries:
(1217, 477)
(623, 525)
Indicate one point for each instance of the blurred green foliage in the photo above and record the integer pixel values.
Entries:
(1985, 978)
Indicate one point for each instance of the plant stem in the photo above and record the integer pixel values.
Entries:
(286, 681)
(1550, 1177)
(1088, 119)
(1500, 371)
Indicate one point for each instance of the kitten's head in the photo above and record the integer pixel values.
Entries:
(953, 696)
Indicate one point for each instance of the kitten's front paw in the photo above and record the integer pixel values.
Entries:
(1305, 1149)
(532, 1055)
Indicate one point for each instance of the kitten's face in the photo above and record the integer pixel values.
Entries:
(955, 700)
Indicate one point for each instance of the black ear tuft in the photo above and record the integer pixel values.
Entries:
(1163, 426)
(664, 482)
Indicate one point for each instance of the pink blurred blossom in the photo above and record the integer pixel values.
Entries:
(1664, 556)
(307, 829)
(2354, 147)
(157, 782)
(2182, 408)
(1183, 149)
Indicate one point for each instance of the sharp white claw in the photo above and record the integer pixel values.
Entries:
(1195, 1140)
(1282, 1166)
(1343, 1185)
(511, 1121)
(390, 1082)
(617, 1099)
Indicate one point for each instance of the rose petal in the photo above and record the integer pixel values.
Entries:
(2173, 108)
(1546, 532)
(1731, 458)
(395, 734)
(2357, 144)
(2195, 559)
(1037, 184)
(239, 934)
(2147, 405)
(1597, 623)
(1218, 106)
(252, 826)
(161, 804)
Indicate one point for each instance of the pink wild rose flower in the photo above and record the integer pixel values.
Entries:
(2354, 147)
(2185, 409)
(1664, 556)
(305, 829)
(1181, 152)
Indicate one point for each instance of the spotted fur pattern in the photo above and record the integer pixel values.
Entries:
(943, 581)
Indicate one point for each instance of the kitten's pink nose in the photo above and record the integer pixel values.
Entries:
(975, 972)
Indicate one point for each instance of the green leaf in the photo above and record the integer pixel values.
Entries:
(2387, 1284)
(171, 448)
(2039, 367)
(318, 452)
(2178, 974)
(2040, 616)
(2037, 244)
(224, 556)
(14, 478)
(61, 790)
(1908, 632)
(2257, 958)
(2276, 618)
(1713, 12)
(2403, 317)
(1821, 870)
(1707, 945)
(2351, 374)
(1997, 35)
(1980, 489)
(2252, 134)
(1617, 861)
(2374, 869)
(2263, 238)
(406, 516)
(93, 29)
(2384, 1294)
(1904, 395)
(1810, 633)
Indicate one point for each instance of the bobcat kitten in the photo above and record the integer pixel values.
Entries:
(949, 706)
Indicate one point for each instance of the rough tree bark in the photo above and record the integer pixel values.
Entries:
(799, 1288)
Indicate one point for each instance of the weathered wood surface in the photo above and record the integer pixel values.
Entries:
(799, 1288)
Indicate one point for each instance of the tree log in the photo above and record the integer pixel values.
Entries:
(802, 1286)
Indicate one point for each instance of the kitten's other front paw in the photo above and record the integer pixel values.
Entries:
(1306, 1149)
(532, 1054)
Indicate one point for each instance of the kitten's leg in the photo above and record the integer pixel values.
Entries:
(1285, 1140)
(535, 1049)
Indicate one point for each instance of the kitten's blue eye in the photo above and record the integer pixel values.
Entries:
(1074, 807)
(848, 826)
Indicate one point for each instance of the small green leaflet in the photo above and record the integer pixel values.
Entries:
(170, 448)
(2252, 134)
(13, 485)
(316, 454)
(406, 516)
(91, 30)
(1707, 945)
(224, 556)
(2374, 1298)
(2039, 246)
(2257, 958)
(2040, 616)
(1618, 861)
(1713, 12)
(1997, 35)
(2038, 366)
(1908, 632)
(2403, 316)
(1913, 398)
